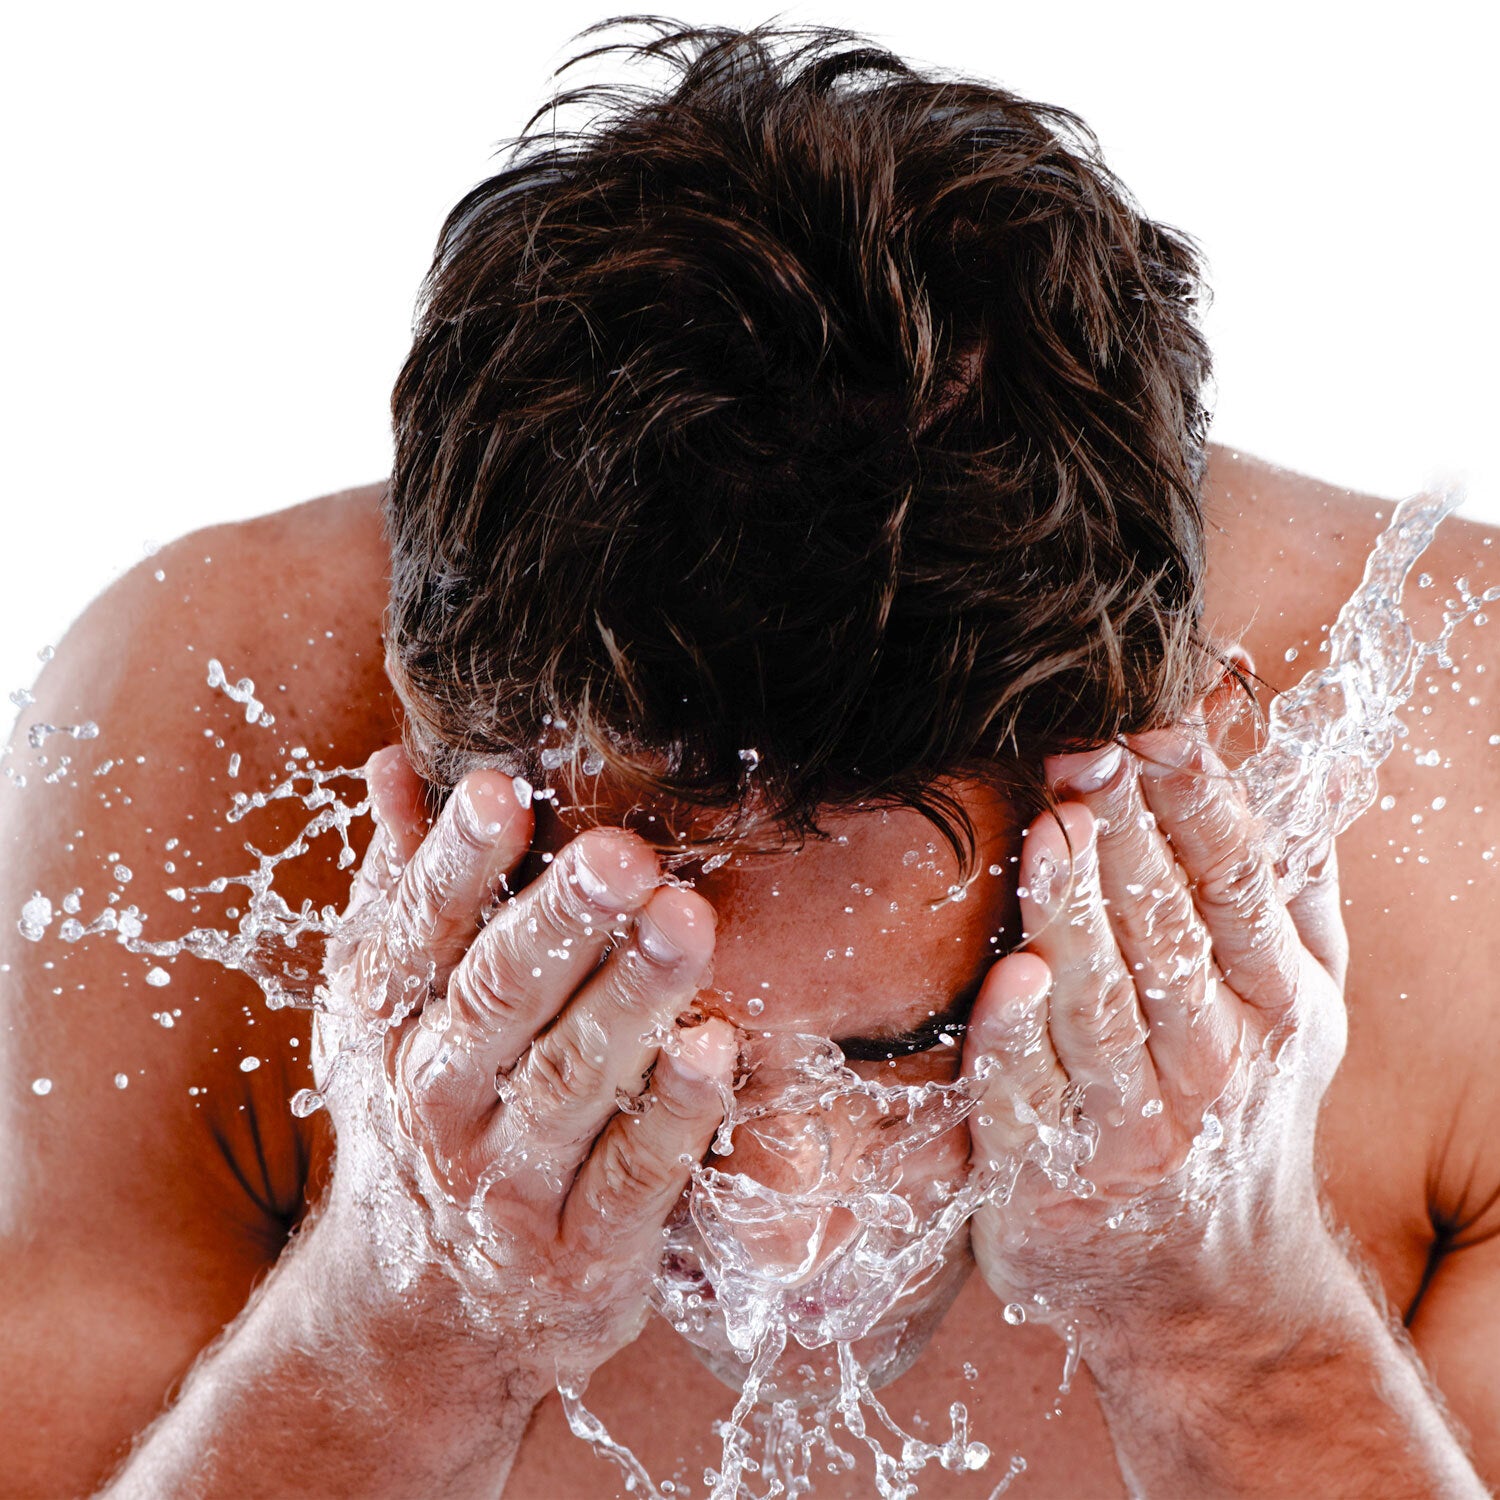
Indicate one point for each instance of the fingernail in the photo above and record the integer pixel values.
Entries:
(654, 942)
(607, 876)
(1163, 751)
(480, 808)
(1087, 771)
(705, 1052)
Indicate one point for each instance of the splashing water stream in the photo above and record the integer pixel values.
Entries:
(750, 1272)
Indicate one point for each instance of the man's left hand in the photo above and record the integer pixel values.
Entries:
(1154, 1055)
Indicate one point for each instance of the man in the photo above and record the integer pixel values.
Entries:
(801, 476)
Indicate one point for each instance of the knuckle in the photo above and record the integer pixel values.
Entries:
(487, 984)
(631, 1172)
(421, 902)
(686, 1103)
(559, 1070)
(1236, 881)
(1117, 1027)
(637, 985)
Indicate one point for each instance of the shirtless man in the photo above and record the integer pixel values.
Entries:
(157, 1178)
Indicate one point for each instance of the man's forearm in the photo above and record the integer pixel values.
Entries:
(303, 1392)
(1294, 1389)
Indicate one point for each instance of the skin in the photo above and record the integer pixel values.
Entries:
(1245, 1361)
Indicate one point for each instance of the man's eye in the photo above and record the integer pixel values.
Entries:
(947, 1036)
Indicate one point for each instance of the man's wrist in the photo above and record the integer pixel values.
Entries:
(1290, 1308)
(1287, 1379)
(347, 1307)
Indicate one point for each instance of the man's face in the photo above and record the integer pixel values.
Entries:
(866, 937)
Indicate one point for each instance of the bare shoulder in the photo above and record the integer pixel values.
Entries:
(150, 1168)
(1411, 1119)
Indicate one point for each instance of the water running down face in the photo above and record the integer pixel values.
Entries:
(838, 1153)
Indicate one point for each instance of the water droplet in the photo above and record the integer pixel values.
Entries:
(158, 977)
(1291, 653)
(1015, 1314)
(755, 1005)
(249, 1064)
(36, 918)
(41, 1086)
(122, 1081)
(1387, 803)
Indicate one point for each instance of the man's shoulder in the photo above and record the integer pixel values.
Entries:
(225, 663)
(1413, 1108)
(291, 600)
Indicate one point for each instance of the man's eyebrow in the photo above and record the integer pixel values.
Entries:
(950, 1022)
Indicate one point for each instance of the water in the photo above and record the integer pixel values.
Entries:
(849, 1258)
(1328, 737)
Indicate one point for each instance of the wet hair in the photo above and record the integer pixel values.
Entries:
(801, 431)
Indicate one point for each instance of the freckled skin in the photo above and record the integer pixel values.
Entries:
(138, 1219)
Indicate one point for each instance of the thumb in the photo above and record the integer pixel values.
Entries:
(1317, 913)
(398, 802)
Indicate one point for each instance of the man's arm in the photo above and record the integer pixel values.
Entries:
(1163, 1044)
(1296, 1385)
(144, 1192)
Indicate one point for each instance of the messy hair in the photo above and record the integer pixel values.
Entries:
(801, 431)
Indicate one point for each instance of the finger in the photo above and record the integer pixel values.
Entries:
(570, 1080)
(446, 890)
(1201, 810)
(398, 802)
(542, 947)
(1095, 1021)
(640, 1165)
(1317, 912)
(1190, 1034)
(1009, 1053)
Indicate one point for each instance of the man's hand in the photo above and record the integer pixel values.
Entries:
(1157, 1051)
(1152, 1062)
(517, 1112)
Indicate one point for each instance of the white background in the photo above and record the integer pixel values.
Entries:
(217, 216)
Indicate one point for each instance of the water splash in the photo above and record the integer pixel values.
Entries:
(838, 1261)
(1328, 737)
(276, 945)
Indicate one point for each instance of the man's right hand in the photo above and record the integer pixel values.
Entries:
(512, 1130)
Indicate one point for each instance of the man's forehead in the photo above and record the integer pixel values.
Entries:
(869, 931)
(869, 928)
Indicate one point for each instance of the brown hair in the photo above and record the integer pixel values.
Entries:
(800, 432)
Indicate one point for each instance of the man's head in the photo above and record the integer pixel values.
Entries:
(795, 435)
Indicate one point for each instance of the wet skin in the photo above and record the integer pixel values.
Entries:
(198, 1188)
(866, 935)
